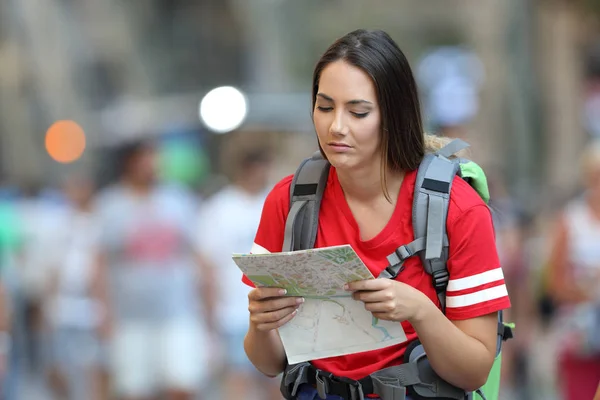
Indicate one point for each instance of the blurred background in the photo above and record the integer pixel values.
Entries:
(139, 139)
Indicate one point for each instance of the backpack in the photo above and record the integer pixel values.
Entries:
(430, 207)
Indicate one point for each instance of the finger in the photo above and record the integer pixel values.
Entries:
(273, 304)
(384, 316)
(265, 293)
(373, 296)
(278, 324)
(368, 284)
(274, 319)
(380, 307)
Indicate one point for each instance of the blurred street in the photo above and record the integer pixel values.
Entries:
(139, 140)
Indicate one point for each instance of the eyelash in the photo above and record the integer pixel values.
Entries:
(357, 115)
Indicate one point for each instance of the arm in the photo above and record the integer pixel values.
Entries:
(560, 280)
(100, 292)
(461, 352)
(268, 311)
(208, 289)
(50, 294)
(4, 310)
(265, 351)
(4, 330)
(460, 344)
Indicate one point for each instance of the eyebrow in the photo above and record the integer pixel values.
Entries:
(324, 96)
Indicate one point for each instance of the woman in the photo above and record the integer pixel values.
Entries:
(574, 284)
(368, 123)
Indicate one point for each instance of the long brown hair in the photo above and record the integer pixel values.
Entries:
(374, 52)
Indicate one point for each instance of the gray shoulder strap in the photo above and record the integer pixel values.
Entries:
(306, 192)
(432, 192)
(430, 208)
(452, 148)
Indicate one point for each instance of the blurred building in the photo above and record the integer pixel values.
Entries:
(122, 69)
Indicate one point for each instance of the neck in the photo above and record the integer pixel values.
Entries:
(365, 185)
(138, 188)
(85, 207)
(249, 186)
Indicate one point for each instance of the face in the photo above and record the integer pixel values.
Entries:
(144, 166)
(347, 117)
(79, 190)
(257, 175)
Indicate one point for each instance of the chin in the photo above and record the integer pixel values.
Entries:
(341, 161)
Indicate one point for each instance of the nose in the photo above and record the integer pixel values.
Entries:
(338, 125)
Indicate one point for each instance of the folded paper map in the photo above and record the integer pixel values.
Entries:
(330, 322)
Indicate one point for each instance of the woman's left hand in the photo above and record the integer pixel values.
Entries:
(390, 300)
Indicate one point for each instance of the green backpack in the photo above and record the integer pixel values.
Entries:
(430, 206)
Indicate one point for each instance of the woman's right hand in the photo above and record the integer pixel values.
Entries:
(270, 309)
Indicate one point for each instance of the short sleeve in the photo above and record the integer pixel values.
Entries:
(270, 234)
(476, 286)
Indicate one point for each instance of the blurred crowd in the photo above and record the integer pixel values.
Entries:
(120, 284)
(128, 291)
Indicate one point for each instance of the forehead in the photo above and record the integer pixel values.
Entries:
(343, 82)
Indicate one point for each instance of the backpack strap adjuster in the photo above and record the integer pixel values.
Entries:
(393, 271)
(404, 252)
(440, 280)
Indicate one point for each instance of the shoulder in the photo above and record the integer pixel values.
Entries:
(224, 199)
(279, 195)
(465, 200)
(109, 195)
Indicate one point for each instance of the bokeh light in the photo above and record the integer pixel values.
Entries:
(65, 141)
(223, 109)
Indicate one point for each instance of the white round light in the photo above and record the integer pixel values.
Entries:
(223, 109)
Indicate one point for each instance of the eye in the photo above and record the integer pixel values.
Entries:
(324, 109)
(360, 115)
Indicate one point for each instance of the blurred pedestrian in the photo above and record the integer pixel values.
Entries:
(227, 225)
(574, 282)
(155, 322)
(72, 312)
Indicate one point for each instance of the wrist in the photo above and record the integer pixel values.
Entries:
(424, 311)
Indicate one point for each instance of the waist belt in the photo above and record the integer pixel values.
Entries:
(329, 384)
(390, 383)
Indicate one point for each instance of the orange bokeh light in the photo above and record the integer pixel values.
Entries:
(65, 141)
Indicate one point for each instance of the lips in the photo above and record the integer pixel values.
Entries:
(336, 144)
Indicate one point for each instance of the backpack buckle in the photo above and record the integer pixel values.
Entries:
(440, 280)
(403, 252)
(394, 270)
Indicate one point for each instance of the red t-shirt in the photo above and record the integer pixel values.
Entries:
(476, 285)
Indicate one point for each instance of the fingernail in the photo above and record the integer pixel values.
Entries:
(295, 312)
(346, 287)
(282, 292)
(300, 300)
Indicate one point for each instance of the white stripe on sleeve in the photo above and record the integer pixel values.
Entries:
(481, 296)
(258, 249)
(473, 281)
